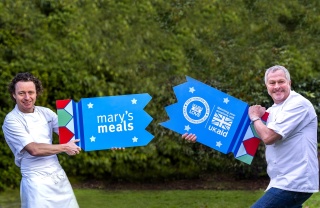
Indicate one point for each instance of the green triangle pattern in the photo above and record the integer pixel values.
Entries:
(254, 131)
(63, 117)
(245, 158)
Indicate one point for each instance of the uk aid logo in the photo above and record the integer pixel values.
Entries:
(196, 110)
(219, 120)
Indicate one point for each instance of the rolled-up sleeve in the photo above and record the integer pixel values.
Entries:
(287, 120)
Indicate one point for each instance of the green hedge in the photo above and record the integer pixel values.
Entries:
(90, 48)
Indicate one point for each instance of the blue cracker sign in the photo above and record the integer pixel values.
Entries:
(105, 122)
(219, 120)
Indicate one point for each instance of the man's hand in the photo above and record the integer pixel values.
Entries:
(117, 148)
(189, 137)
(72, 148)
(256, 111)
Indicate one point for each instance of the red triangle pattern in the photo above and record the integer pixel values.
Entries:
(265, 116)
(65, 135)
(251, 145)
(61, 104)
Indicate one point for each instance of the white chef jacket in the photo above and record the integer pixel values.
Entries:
(44, 182)
(292, 161)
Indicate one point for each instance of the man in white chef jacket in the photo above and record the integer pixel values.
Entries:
(28, 131)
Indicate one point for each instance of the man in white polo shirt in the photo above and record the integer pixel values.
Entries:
(290, 136)
(28, 131)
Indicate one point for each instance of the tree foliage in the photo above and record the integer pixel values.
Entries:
(90, 48)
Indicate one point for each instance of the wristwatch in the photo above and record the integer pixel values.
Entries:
(255, 119)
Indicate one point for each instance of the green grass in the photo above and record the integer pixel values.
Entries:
(93, 198)
(10, 199)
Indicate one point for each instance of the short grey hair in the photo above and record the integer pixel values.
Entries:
(276, 68)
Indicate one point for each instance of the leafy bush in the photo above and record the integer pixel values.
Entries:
(82, 48)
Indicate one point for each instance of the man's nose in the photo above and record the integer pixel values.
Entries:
(26, 96)
(277, 85)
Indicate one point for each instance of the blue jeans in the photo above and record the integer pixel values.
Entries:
(278, 198)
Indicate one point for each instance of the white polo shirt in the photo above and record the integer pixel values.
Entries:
(292, 161)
